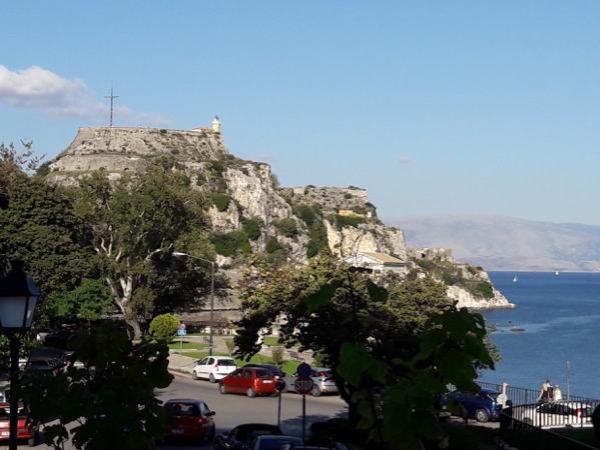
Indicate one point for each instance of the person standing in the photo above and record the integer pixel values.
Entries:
(556, 393)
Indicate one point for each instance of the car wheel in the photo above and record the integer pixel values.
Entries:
(35, 437)
(208, 437)
(250, 392)
(481, 415)
(194, 375)
(222, 389)
(212, 378)
(316, 392)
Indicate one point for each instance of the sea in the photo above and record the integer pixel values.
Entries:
(559, 316)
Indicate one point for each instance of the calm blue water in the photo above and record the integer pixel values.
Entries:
(561, 317)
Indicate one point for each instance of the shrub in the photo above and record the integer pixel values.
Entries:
(287, 227)
(229, 244)
(273, 245)
(318, 242)
(251, 228)
(308, 213)
(221, 201)
(164, 326)
(484, 289)
(348, 221)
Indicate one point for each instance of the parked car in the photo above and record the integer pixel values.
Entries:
(44, 366)
(481, 406)
(251, 381)
(321, 376)
(270, 367)
(27, 429)
(213, 368)
(556, 414)
(239, 437)
(189, 419)
(273, 442)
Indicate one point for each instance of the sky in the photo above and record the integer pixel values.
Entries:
(435, 107)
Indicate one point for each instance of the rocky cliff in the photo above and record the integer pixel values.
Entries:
(247, 210)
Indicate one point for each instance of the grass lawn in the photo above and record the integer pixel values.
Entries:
(271, 341)
(288, 366)
(186, 345)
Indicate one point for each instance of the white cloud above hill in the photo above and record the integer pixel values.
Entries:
(42, 89)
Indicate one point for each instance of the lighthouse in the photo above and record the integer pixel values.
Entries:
(216, 125)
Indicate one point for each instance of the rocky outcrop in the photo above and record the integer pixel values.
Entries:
(366, 237)
(465, 299)
(245, 205)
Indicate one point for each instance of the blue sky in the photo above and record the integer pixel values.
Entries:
(435, 107)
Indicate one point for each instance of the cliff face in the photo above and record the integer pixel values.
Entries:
(248, 211)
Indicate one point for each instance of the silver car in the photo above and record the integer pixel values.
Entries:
(321, 376)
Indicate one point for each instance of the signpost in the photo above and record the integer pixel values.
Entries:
(280, 386)
(181, 332)
(303, 385)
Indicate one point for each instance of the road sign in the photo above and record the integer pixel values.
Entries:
(304, 385)
(304, 370)
(181, 331)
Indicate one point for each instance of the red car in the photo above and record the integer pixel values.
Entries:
(251, 381)
(190, 420)
(27, 430)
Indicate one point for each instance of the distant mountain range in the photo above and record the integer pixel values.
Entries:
(507, 243)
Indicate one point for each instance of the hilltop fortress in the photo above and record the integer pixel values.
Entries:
(292, 223)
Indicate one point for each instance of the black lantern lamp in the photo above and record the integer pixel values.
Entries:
(18, 298)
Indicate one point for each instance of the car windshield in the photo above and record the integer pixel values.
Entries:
(182, 409)
(226, 362)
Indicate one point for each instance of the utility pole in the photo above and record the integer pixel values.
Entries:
(112, 97)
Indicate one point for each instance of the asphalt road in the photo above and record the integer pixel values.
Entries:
(232, 410)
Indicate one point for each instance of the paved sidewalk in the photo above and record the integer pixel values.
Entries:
(181, 363)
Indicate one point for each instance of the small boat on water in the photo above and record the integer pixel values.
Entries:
(556, 273)
(517, 329)
(515, 279)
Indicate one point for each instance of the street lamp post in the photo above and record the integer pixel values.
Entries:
(212, 295)
(18, 298)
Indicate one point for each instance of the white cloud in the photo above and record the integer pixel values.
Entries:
(39, 88)
(404, 160)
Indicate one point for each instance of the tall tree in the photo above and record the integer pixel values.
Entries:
(349, 320)
(135, 224)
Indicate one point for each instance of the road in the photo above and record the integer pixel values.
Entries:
(232, 410)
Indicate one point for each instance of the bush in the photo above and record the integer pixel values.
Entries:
(252, 229)
(273, 245)
(307, 213)
(348, 221)
(221, 201)
(484, 289)
(318, 242)
(287, 227)
(164, 326)
(230, 244)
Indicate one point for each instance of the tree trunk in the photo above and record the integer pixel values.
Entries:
(134, 324)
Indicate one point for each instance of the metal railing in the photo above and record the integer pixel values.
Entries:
(526, 436)
(524, 396)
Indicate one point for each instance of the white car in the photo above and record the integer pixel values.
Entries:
(213, 368)
(556, 414)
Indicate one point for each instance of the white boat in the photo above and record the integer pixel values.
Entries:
(515, 279)
(556, 273)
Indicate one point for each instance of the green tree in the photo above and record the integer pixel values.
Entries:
(328, 307)
(164, 326)
(90, 301)
(38, 225)
(135, 224)
(111, 402)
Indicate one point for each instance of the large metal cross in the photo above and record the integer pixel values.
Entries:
(112, 97)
